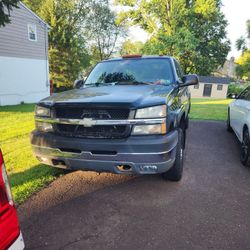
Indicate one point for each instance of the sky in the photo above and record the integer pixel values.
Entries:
(237, 12)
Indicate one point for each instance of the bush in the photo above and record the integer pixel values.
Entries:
(234, 89)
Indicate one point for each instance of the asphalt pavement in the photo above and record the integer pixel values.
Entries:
(208, 209)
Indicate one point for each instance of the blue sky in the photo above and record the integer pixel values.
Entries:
(236, 11)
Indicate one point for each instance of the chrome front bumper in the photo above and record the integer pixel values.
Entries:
(139, 155)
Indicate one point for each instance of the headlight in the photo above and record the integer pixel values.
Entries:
(44, 126)
(155, 129)
(42, 111)
(152, 112)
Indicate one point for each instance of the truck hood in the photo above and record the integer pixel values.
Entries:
(129, 96)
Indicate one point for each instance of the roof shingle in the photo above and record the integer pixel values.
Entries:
(214, 79)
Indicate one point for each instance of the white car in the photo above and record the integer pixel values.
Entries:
(239, 121)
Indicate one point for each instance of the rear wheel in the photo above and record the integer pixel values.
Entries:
(229, 128)
(175, 173)
(245, 149)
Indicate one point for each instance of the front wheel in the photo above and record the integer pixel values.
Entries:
(175, 173)
(245, 149)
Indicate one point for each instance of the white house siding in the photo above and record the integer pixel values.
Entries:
(24, 71)
(198, 93)
(25, 80)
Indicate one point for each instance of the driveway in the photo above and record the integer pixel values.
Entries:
(208, 209)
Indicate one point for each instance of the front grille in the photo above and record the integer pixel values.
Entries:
(94, 113)
(98, 131)
(120, 131)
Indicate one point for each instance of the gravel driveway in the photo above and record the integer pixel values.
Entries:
(208, 209)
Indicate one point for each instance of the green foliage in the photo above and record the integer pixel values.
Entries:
(129, 47)
(243, 41)
(34, 5)
(102, 30)
(192, 31)
(6, 5)
(82, 33)
(243, 67)
(234, 89)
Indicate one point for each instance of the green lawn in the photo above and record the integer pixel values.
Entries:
(209, 109)
(26, 174)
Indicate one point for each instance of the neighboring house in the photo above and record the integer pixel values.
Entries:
(24, 68)
(210, 86)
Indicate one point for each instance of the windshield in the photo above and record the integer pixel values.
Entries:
(131, 71)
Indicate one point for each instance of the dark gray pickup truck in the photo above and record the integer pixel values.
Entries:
(129, 117)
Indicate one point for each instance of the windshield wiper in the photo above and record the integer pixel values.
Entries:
(134, 83)
(97, 84)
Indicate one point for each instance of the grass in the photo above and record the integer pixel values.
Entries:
(209, 109)
(26, 174)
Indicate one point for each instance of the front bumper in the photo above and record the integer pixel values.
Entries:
(139, 154)
(18, 244)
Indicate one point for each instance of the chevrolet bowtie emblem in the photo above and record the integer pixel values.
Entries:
(87, 122)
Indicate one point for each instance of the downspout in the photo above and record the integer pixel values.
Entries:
(46, 57)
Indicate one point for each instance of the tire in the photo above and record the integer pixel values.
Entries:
(229, 128)
(175, 173)
(183, 128)
(187, 122)
(245, 149)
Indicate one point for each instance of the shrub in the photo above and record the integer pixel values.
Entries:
(234, 89)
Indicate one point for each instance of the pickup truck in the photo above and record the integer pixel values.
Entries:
(128, 117)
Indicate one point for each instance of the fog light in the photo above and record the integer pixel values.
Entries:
(44, 126)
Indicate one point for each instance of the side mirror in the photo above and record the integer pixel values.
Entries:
(189, 80)
(78, 84)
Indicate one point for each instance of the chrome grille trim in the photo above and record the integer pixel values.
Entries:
(90, 122)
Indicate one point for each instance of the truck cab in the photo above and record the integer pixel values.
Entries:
(129, 117)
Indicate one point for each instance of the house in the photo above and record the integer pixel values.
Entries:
(24, 68)
(210, 86)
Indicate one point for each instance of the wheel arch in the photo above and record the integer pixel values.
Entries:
(245, 127)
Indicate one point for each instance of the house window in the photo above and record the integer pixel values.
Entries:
(32, 35)
(196, 86)
(219, 87)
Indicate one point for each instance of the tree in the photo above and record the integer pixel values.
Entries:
(67, 47)
(193, 31)
(243, 67)
(129, 47)
(102, 30)
(82, 33)
(34, 5)
(242, 42)
(6, 5)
